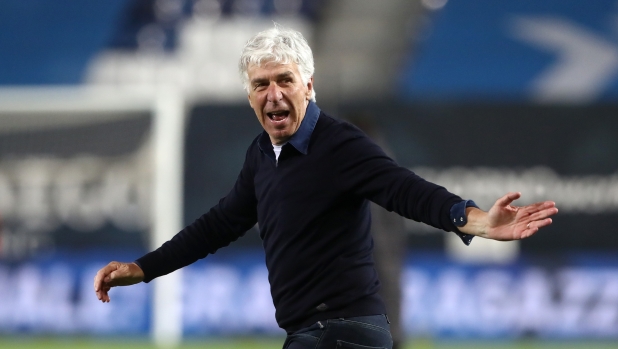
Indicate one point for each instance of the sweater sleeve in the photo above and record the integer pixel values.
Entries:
(367, 171)
(224, 223)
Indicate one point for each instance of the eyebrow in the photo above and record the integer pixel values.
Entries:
(278, 77)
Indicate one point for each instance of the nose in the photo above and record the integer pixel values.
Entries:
(274, 94)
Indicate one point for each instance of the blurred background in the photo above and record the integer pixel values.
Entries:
(122, 121)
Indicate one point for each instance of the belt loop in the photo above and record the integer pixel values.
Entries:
(387, 320)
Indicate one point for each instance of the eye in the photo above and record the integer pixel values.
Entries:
(259, 86)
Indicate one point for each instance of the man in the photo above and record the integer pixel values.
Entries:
(307, 180)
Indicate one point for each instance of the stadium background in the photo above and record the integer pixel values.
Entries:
(483, 97)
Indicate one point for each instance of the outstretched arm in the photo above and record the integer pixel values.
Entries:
(116, 274)
(507, 222)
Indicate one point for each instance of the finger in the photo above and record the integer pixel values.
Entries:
(109, 279)
(530, 230)
(508, 199)
(536, 225)
(115, 278)
(106, 292)
(106, 289)
(103, 295)
(99, 278)
(103, 273)
(543, 214)
(537, 206)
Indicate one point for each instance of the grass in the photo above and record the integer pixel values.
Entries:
(131, 343)
(264, 343)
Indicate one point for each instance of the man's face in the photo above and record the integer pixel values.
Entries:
(279, 98)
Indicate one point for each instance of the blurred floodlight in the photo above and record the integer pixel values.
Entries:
(288, 7)
(207, 9)
(434, 4)
(151, 38)
(168, 10)
(248, 7)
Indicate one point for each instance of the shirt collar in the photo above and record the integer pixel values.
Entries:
(300, 139)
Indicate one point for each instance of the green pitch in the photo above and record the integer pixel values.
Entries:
(117, 343)
(270, 343)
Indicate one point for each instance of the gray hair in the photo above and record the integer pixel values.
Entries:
(279, 45)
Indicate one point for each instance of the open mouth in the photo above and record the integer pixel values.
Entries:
(279, 115)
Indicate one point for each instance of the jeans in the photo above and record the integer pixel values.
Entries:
(363, 332)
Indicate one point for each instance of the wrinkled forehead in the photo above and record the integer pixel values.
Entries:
(271, 64)
(271, 68)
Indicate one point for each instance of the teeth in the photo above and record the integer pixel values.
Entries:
(282, 113)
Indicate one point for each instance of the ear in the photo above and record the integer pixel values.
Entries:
(249, 98)
(309, 88)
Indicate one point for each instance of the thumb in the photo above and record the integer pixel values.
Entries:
(114, 274)
(111, 276)
(508, 199)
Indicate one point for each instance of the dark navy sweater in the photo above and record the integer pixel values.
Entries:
(312, 210)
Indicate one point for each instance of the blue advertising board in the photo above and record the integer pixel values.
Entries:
(555, 296)
(53, 294)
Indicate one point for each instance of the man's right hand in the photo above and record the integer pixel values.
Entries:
(116, 274)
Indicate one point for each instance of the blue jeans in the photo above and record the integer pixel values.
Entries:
(363, 332)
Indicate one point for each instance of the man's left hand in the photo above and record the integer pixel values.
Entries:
(507, 222)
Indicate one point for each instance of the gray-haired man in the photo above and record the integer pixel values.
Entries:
(307, 180)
